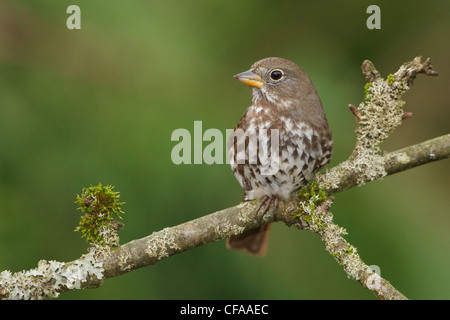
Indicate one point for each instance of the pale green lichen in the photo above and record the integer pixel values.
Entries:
(246, 214)
(381, 113)
(124, 261)
(345, 254)
(160, 243)
(403, 158)
(50, 278)
(373, 281)
(367, 166)
(330, 179)
(228, 229)
(378, 116)
(353, 264)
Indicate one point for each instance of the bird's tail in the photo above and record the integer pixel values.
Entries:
(253, 241)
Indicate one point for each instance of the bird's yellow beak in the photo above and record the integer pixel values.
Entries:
(250, 78)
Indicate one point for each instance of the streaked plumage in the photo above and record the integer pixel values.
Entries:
(290, 104)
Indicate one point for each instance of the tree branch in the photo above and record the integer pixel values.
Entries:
(343, 176)
(376, 118)
(237, 219)
(220, 225)
(416, 155)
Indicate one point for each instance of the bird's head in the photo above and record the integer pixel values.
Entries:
(281, 84)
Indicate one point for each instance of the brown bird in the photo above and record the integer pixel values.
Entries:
(281, 141)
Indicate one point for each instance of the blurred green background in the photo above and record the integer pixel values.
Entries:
(78, 107)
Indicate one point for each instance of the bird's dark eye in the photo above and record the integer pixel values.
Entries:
(276, 74)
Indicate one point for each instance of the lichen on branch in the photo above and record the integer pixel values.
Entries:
(50, 278)
(377, 116)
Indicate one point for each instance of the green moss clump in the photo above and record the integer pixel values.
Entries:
(311, 190)
(367, 92)
(101, 206)
(390, 79)
(310, 197)
(349, 250)
(337, 257)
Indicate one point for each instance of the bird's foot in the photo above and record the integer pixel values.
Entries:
(266, 202)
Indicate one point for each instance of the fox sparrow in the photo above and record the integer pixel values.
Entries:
(282, 140)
